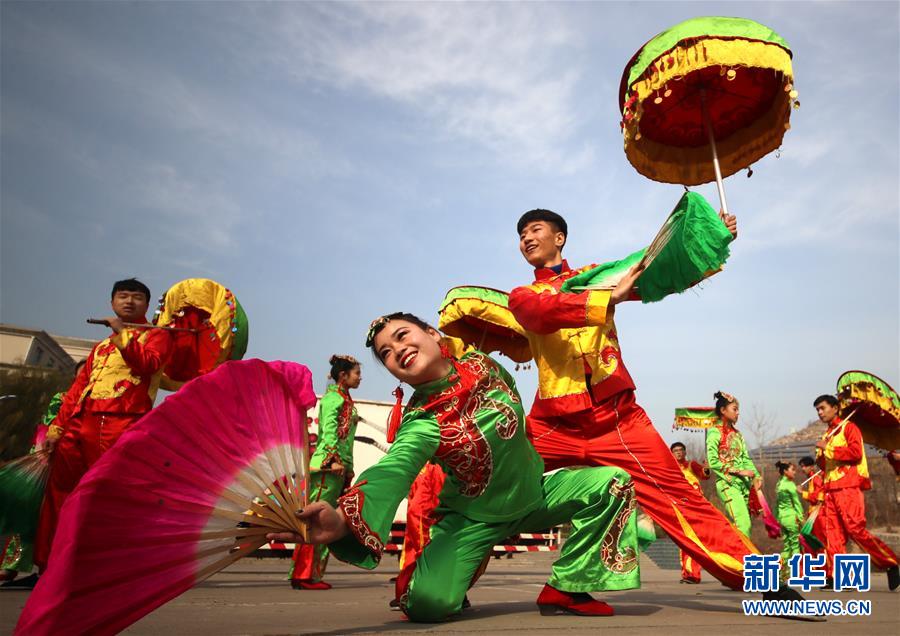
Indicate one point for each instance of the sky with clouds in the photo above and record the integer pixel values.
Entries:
(330, 162)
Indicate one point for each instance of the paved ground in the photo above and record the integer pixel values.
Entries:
(252, 597)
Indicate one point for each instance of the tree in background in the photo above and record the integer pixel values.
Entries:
(25, 393)
(761, 425)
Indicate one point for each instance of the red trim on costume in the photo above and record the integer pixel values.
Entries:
(345, 415)
(351, 504)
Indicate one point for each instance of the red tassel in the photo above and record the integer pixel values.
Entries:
(395, 416)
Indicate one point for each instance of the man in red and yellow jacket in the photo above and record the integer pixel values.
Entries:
(114, 389)
(693, 472)
(585, 412)
(841, 457)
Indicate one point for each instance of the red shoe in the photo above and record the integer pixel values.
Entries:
(550, 601)
(306, 584)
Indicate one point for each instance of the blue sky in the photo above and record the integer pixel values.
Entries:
(333, 162)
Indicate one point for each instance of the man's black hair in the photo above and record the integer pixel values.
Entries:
(677, 445)
(132, 285)
(807, 460)
(830, 399)
(540, 214)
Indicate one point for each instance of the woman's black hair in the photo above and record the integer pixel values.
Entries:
(341, 364)
(807, 460)
(723, 400)
(379, 323)
(782, 466)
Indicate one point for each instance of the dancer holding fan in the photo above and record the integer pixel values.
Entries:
(117, 386)
(466, 416)
(331, 464)
(172, 504)
(585, 411)
(22, 492)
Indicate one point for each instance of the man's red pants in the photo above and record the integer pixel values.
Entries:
(690, 569)
(617, 432)
(84, 442)
(845, 516)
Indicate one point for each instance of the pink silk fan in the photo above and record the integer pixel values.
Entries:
(191, 488)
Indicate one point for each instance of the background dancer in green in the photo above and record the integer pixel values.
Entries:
(331, 464)
(726, 452)
(789, 512)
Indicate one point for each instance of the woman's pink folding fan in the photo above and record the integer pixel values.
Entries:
(191, 488)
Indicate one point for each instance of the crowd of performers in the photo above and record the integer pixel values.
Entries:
(836, 479)
(475, 467)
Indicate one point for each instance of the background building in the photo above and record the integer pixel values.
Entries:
(25, 347)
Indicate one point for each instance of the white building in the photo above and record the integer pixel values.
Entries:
(22, 346)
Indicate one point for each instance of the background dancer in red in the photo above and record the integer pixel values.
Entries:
(814, 495)
(114, 389)
(693, 471)
(841, 456)
(585, 412)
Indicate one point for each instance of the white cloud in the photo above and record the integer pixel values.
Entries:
(483, 72)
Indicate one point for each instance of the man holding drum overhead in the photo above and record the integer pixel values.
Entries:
(585, 412)
(114, 389)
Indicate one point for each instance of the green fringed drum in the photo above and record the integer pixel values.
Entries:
(873, 406)
(696, 245)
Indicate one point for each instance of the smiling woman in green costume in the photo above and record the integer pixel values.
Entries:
(467, 417)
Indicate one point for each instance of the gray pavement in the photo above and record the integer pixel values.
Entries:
(253, 597)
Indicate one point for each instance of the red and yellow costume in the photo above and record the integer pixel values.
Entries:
(814, 495)
(693, 472)
(846, 476)
(585, 413)
(114, 389)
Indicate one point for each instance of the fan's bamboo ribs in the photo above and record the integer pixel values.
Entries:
(259, 490)
(281, 509)
(223, 562)
(240, 517)
(235, 532)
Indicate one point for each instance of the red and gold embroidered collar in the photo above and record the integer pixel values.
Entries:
(545, 273)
